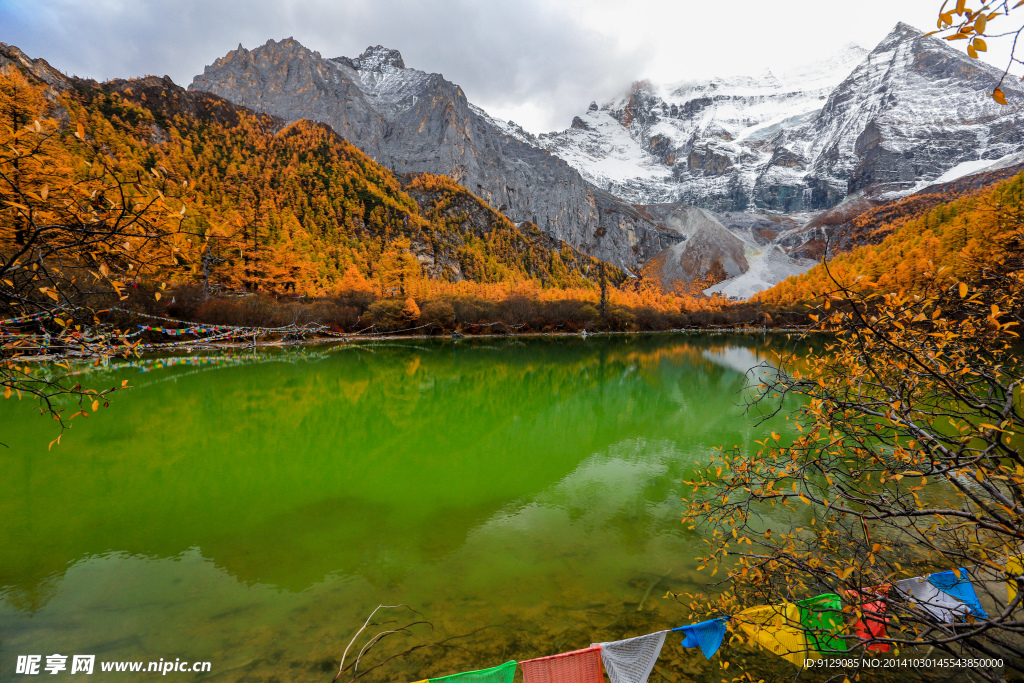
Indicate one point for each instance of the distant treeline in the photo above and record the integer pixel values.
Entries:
(467, 311)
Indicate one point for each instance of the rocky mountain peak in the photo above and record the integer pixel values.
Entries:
(272, 51)
(11, 56)
(903, 37)
(378, 58)
(905, 30)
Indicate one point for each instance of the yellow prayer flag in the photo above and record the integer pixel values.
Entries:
(1014, 565)
(776, 628)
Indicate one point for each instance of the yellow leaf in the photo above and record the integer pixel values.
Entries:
(963, 290)
(971, 52)
(95, 406)
(980, 45)
(979, 25)
(46, 192)
(998, 96)
(804, 498)
(158, 296)
(7, 392)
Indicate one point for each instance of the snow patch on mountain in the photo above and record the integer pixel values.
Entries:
(961, 170)
(608, 156)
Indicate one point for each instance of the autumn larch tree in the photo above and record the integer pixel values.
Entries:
(74, 235)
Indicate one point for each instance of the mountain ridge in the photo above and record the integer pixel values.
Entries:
(750, 143)
(797, 141)
(415, 122)
(904, 113)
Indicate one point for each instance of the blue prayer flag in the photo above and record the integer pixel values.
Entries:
(707, 635)
(959, 587)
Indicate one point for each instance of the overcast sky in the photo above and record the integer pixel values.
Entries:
(537, 62)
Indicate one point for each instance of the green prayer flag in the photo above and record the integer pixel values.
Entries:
(503, 673)
(822, 616)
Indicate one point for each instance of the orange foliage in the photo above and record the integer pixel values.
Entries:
(953, 238)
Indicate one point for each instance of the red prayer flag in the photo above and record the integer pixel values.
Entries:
(872, 625)
(579, 666)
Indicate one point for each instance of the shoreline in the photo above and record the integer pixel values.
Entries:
(200, 346)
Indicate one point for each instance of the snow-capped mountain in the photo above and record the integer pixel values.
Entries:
(876, 122)
(638, 145)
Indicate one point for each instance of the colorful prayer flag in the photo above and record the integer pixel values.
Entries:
(631, 660)
(579, 666)
(1015, 565)
(821, 616)
(959, 587)
(872, 624)
(931, 600)
(503, 673)
(776, 628)
(707, 635)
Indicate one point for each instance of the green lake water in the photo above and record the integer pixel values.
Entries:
(251, 510)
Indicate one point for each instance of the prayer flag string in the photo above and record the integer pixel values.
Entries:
(796, 632)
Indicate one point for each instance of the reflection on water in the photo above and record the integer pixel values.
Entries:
(252, 511)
